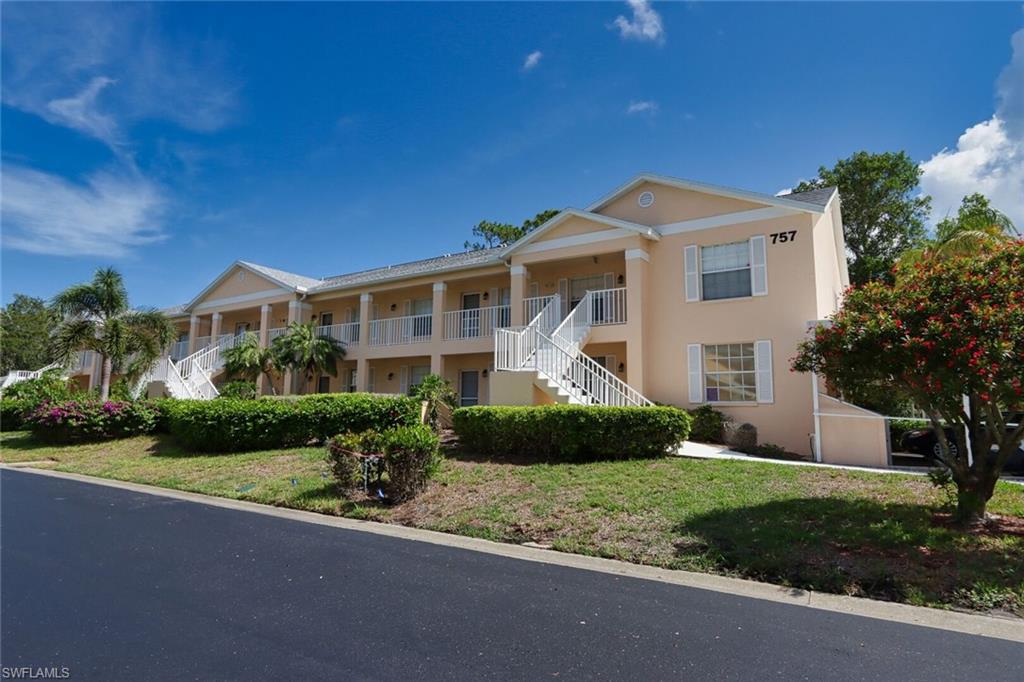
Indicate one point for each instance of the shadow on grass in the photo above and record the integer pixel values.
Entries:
(861, 547)
(22, 441)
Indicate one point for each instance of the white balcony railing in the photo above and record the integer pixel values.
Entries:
(202, 342)
(477, 322)
(347, 333)
(533, 306)
(395, 331)
(82, 361)
(607, 306)
(276, 332)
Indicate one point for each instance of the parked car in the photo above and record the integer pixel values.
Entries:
(924, 442)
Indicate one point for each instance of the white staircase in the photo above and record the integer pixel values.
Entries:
(192, 376)
(552, 348)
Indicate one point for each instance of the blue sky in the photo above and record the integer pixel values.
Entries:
(169, 140)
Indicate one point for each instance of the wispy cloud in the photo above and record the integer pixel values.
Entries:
(532, 60)
(58, 63)
(989, 156)
(646, 106)
(645, 24)
(109, 215)
(81, 112)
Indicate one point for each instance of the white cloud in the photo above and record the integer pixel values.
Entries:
(645, 24)
(81, 112)
(532, 60)
(989, 156)
(110, 215)
(642, 107)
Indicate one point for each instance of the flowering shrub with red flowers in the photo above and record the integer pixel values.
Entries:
(72, 421)
(949, 328)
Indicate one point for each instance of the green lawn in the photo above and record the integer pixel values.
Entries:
(877, 535)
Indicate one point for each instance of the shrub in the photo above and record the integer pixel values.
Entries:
(708, 424)
(52, 385)
(230, 424)
(242, 390)
(83, 420)
(571, 432)
(13, 411)
(411, 455)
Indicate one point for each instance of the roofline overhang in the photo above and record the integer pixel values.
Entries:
(707, 188)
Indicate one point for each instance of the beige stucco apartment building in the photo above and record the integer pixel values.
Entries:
(664, 290)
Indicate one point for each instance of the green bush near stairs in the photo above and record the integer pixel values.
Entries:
(234, 425)
(571, 432)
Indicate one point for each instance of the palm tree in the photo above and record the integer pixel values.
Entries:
(247, 360)
(975, 226)
(301, 349)
(96, 316)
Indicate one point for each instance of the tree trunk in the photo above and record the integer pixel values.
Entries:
(972, 497)
(108, 368)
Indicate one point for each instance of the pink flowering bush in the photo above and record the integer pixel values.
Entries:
(72, 421)
(947, 329)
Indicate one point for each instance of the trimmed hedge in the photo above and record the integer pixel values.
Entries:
(571, 432)
(73, 421)
(232, 425)
(411, 455)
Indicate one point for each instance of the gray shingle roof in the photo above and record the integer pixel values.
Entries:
(289, 278)
(816, 197)
(426, 266)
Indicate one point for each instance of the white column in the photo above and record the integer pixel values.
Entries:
(636, 288)
(215, 327)
(365, 300)
(264, 341)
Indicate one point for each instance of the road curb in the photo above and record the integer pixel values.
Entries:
(955, 621)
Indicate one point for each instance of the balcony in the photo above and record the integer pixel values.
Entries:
(607, 306)
(347, 333)
(533, 306)
(396, 331)
(476, 322)
(179, 350)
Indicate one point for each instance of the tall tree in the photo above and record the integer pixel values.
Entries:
(975, 226)
(302, 349)
(500, 234)
(883, 215)
(25, 328)
(951, 329)
(96, 316)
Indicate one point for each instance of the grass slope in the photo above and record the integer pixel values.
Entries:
(849, 532)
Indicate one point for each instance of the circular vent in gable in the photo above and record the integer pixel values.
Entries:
(646, 199)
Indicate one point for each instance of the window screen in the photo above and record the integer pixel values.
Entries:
(725, 270)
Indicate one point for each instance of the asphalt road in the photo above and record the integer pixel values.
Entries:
(122, 585)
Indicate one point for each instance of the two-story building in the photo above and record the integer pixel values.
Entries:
(664, 290)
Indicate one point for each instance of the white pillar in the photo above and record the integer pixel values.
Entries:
(437, 317)
(518, 274)
(264, 341)
(193, 332)
(636, 292)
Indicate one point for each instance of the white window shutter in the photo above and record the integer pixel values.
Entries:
(609, 280)
(494, 299)
(403, 379)
(371, 379)
(534, 289)
(763, 374)
(692, 270)
(348, 315)
(758, 266)
(611, 365)
(563, 293)
(695, 365)
(408, 307)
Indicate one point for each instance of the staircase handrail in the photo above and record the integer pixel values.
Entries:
(580, 375)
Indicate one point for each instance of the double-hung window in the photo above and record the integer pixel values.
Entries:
(729, 373)
(725, 271)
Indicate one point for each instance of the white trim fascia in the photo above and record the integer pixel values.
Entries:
(577, 240)
(242, 298)
(706, 188)
(737, 218)
(638, 253)
(643, 230)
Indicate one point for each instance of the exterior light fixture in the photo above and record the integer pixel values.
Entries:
(622, 367)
